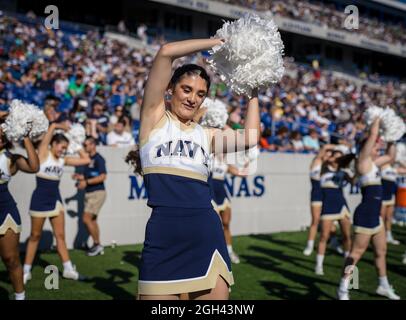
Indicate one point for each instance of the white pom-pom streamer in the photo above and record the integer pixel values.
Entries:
(216, 115)
(24, 118)
(401, 153)
(76, 136)
(371, 113)
(251, 56)
(393, 127)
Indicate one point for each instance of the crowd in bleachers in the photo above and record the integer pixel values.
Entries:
(327, 15)
(98, 82)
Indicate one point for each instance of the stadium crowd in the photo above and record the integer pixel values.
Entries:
(98, 82)
(327, 16)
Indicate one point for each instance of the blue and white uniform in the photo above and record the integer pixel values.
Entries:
(334, 204)
(316, 194)
(389, 177)
(46, 200)
(9, 215)
(367, 219)
(218, 169)
(184, 248)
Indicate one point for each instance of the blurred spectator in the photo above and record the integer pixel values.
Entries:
(280, 142)
(296, 141)
(311, 141)
(97, 123)
(119, 137)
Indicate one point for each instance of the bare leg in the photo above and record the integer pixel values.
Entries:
(324, 236)
(58, 226)
(159, 297)
(379, 242)
(315, 211)
(345, 225)
(37, 225)
(90, 221)
(219, 292)
(226, 218)
(10, 254)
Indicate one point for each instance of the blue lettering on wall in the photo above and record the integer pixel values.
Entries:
(259, 186)
(138, 190)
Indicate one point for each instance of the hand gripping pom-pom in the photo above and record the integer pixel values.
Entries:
(76, 136)
(251, 56)
(216, 115)
(23, 119)
(371, 113)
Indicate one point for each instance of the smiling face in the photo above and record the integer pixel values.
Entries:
(187, 96)
(58, 149)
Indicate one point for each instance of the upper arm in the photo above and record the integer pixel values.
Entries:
(153, 104)
(21, 163)
(76, 162)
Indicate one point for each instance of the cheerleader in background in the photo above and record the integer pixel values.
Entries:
(368, 224)
(389, 176)
(10, 221)
(334, 207)
(316, 195)
(46, 201)
(221, 201)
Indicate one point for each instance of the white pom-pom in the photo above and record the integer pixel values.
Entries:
(76, 136)
(23, 118)
(393, 127)
(216, 115)
(252, 153)
(251, 56)
(371, 113)
(401, 153)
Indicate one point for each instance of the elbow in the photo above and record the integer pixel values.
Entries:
(165, 51)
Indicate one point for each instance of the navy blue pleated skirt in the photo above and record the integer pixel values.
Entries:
(45, 196)
(316, 194)
(184, 251)
(9, 215)
(388, 190)
(334, 204)
(367, 214)
(220, 196)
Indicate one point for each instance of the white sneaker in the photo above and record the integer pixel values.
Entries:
(387, 292)
(343, 295)
(234, 258)
(307, 251)
(404, 259)
(71, 274)
(393, 241)
(319, 271)
(339, 250)
(27, 276)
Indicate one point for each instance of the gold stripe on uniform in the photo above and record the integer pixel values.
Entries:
(48, 214)
(9, 223)
(336, 216)
(369, 231)
(217, 268)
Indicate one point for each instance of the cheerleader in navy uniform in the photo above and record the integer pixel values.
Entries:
(46, 200)
(10, 222)
(316, 194)
(184, 252)
(221, 201)
(334, 208)
(368, 224)
(389, 177)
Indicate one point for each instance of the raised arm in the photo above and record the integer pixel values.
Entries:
(83, 159)
(320, 155)
(46, 140)
(364, 159)
(232, 140)
(153, 104)
(29, 164)
(388, 157)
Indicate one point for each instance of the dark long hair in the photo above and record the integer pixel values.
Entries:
(133, 158)
(59, 138)
(189, 69)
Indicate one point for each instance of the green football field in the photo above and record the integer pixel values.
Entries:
(272, 267)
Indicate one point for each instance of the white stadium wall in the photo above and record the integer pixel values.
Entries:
(275, 198)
